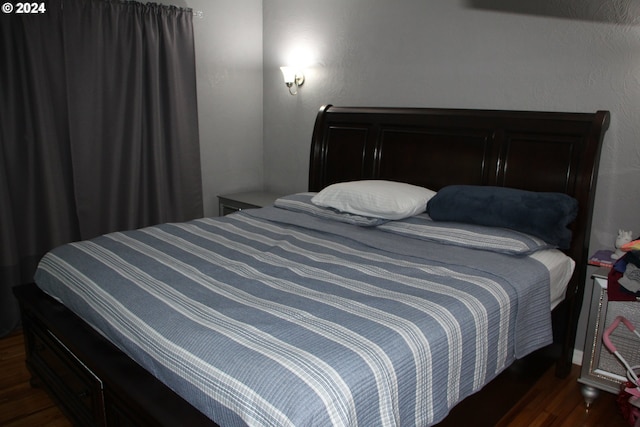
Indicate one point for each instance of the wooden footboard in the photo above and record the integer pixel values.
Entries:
(91, 380)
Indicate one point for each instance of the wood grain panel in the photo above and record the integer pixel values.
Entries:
(431, 157)
(346, 148)
(547, 158)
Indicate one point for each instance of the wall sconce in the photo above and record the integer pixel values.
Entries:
(291, 78)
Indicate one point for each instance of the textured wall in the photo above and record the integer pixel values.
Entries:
(556, 56)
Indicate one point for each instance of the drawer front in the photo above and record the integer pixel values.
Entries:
(119, 414)
(78, 390)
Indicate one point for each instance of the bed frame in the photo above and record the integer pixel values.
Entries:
(96, 384)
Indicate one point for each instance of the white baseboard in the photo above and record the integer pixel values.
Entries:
(577, 357)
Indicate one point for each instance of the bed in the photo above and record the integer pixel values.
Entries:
(304, 313)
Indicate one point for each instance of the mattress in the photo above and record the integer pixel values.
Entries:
(282, 316)
(560, 268)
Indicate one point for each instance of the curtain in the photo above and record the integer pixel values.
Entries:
(37, 209)
(98, 128)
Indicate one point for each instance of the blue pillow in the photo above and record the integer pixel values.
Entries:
(542, 214)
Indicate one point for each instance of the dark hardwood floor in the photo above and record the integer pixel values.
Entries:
(552, 402)
(21, 404)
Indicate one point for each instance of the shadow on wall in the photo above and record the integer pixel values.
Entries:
(625, 12)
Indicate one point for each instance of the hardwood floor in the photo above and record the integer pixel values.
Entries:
(20, 404)
(552, 402)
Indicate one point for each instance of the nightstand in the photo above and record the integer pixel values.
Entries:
(601, 370)
(230, 203)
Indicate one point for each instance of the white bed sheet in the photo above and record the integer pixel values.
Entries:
(560, 268)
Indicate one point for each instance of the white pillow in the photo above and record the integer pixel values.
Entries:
(375, 198)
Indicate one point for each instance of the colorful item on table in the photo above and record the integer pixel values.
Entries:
(633, 245)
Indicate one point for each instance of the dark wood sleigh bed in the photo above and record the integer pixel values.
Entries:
(96, 384)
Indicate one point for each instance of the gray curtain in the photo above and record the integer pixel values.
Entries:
(98, 128)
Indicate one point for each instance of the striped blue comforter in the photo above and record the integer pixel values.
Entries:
(275, 317)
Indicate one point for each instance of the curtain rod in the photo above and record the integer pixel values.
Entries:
(196, 13)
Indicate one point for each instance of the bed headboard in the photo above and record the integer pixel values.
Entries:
(537, 151)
